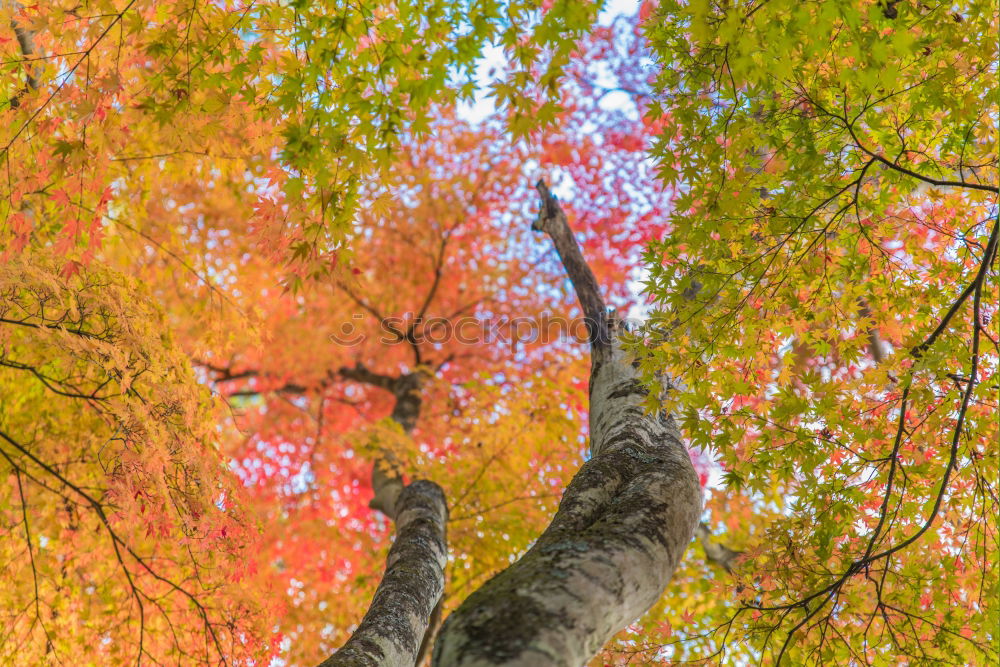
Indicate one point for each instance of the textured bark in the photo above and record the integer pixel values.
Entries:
(552, 221)
(619, 533)
(392, 631)
(406, 609)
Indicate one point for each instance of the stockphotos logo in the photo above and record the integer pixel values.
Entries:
(464, 330)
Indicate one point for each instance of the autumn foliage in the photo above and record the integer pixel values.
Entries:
(226, 223)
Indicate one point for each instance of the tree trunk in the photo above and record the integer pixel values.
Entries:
(620, 531)
(392, 632)
(405, 610)
(621, 528)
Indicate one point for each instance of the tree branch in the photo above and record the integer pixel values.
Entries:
(361, 373)
(719, 554)
(552, 220)
(393, 631)
(621, 528)
(26, 42)
(406, 610)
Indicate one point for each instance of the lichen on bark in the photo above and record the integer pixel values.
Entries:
(621, 528)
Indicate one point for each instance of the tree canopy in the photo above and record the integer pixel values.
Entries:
(259, 264)
(841, 228)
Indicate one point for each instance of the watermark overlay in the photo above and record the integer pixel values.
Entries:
(466, 330)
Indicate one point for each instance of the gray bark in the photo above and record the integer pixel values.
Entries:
(621, 528)
(406, 608)
(392, 632)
